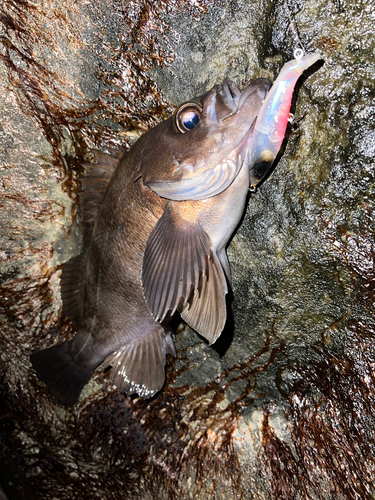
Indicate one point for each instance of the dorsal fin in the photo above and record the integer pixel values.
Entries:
(71, 278)
(95, 184)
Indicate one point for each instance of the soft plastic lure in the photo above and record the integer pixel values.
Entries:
(272, 120)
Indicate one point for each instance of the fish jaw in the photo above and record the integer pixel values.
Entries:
(272, 120)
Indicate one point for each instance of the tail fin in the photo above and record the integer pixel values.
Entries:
(138, 367)
(64, 379)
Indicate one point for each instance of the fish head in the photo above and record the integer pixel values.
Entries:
(199, 151)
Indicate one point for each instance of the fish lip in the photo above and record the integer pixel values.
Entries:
(230, 89)
(230, 94)
(225, 100)
(234, 99)
(262, 86)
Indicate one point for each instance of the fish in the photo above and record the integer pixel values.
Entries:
(156, 221)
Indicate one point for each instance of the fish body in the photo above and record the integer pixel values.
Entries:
(156, 223)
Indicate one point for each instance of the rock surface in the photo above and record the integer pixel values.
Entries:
(283, 405)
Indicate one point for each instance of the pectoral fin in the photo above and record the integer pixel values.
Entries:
(176, 256)
(198, 187)
(181, 272)
(207, 312)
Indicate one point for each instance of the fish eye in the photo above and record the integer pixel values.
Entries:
(187, 116)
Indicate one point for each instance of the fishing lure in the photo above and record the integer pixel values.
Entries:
(274, 115)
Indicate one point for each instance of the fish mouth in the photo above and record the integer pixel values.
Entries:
(225, 131)
(233, 99)
(260, 85)
(241, 101)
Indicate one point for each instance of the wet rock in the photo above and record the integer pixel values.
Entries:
(283, 405)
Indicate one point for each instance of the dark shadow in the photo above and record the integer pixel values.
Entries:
(226, 338)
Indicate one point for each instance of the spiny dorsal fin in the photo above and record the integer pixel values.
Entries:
(95, 184)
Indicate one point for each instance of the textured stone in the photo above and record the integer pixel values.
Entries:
(283, 405)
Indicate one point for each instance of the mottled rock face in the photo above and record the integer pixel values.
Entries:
(283, 405)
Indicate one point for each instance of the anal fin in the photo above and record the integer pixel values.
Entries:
(138, 367)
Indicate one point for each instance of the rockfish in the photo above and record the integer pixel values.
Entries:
(157, 220)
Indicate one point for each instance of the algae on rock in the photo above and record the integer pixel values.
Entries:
(283, 405)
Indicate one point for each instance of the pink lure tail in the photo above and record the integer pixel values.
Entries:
(272, 120)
